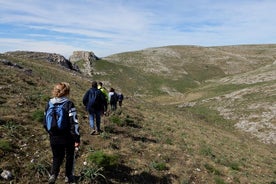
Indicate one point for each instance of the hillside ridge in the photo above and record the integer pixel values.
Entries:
(191, 115)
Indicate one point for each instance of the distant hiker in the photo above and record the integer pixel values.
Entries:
(113, 99)
(60, 121)
(120, 99)
(94, 101)
(104, 91)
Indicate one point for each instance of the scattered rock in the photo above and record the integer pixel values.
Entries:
(6, 175)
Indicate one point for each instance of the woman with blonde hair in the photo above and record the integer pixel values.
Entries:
(63, 140)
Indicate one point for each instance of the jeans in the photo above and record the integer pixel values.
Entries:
(96, 115)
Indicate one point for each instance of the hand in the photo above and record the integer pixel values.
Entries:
(77, 144)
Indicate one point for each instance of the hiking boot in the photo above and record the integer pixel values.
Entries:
(93, 132)
(52, 179)
(70, 179)
(98, 132)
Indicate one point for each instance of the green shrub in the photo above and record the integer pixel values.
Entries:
(207, 151)
(160, 166)
(41, 170)
(103, 160)
(129, 121)
(38, 115)
(116, 120)
(212, 169)
(234, 166)
(5, 145)
(218, 180)
(169, 141)
(90, 174)
(11, 126)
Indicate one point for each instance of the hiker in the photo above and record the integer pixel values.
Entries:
(65, 140)
(104, 91)
(120, 99)
(94, 102)
(113, 99)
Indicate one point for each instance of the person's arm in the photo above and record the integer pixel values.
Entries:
(74, 124)
(44, 118)
(85, 98)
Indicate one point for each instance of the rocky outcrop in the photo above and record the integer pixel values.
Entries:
(49, 57)
(83, 61)
(15, 65)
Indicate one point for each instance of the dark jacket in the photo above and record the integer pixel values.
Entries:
(71, 134)
(120, 97)
(100, 100)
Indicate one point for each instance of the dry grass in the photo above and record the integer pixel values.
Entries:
(161, 135)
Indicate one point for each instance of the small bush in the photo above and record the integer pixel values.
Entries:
(5, 145)
(11, 126)
(169, 141)
(218, 180)
(38, 115)
(91, 174)
(234, 166)
(160, 166)
(103, 160)
(207, 151)
(116, 120)
(109, 128)
(212, 169)
(40, 169)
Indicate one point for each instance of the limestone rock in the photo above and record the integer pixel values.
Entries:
(49, 57)
(83, 61)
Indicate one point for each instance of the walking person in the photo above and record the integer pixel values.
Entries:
(113, 99)
(94, 102)
(104, 91)
(120, 99)
(60, 121)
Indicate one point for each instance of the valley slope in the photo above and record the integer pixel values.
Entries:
(191, 115)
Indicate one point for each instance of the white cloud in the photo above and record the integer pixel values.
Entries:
(108, 26)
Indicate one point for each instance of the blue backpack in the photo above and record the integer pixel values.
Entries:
(57, 117)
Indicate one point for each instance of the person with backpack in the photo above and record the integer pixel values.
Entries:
(120, 99)
(94, 102)
(104, 91)
(61, 122)
(113, 99)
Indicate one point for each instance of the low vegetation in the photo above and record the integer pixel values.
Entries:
(181, 120)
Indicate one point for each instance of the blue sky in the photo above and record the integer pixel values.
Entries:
(112, 26)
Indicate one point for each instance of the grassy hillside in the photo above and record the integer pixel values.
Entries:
(186, 118)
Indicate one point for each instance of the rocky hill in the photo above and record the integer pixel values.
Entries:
(48, 57)
(191, 115)
(250, 71)
(80, 61)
